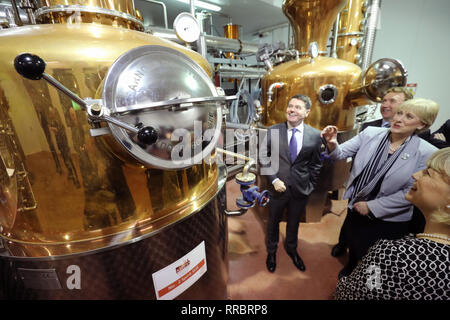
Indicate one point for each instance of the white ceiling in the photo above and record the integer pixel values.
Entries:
(251, 15)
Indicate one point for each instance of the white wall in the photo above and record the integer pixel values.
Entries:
(416, 32)
(271, 36)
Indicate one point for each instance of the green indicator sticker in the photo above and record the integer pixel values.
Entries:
(75, 106)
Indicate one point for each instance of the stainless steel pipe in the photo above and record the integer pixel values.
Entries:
(229, 45)
(371, 31)
(166, 24)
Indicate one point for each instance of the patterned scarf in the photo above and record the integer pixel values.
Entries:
(375, 170)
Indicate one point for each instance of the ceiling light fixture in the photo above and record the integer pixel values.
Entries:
(204, 5)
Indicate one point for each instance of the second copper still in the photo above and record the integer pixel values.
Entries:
(327, 81)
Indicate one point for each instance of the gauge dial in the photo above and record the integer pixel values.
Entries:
(186, 27)
(313, 49)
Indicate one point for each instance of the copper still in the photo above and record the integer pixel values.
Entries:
(231, 31)
(350, 31)
(325, 80)
(69, 197)
(335, 86)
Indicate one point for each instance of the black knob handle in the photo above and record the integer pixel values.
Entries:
(29, 66)
(147, 135)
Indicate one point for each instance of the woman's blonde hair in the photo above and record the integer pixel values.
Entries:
(440, 161)
(425, 109)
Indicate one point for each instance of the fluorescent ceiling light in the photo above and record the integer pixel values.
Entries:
(203, 5)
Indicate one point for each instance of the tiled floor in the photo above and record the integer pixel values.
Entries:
(248, 276)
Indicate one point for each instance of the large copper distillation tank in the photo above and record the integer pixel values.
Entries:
(88, 208)
(336, 86)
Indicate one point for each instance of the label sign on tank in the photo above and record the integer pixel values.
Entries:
(174, 279)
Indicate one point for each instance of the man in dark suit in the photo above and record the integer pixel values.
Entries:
(296, 170)
(393, 97)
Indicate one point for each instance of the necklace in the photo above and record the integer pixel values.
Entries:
(393, 146)
(432, 235)
(393, 149)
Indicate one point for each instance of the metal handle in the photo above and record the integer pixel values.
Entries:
(235, 213)
(32, 67)
(174, 102)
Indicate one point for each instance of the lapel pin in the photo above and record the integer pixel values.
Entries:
(405, 156)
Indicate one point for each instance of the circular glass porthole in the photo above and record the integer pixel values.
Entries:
(327, 94)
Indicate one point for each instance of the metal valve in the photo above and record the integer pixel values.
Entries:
(250, 194)
(266, 51)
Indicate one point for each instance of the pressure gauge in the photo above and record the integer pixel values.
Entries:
(313, 50)
(186, 27)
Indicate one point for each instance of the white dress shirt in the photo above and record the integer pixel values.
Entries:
(385, 124)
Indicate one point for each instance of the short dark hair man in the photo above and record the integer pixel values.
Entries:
(298, 166)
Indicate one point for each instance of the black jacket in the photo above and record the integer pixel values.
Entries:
(438, 143)
(302, 175)
(375, 123)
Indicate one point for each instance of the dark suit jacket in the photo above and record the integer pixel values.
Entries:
(444, 129)
(300, 176)
(375, 123)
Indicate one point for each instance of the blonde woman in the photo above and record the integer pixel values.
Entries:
(414, 267)
(384, 160)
